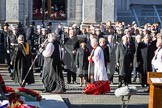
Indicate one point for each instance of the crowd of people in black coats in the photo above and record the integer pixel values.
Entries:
(128, 49)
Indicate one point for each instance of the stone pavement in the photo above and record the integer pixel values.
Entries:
(52, 101)
(74, 98)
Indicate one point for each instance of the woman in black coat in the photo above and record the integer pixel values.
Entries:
(82, 62)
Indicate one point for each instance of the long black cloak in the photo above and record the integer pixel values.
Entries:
(22, 62)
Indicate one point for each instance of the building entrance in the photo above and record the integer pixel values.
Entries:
(53, 9)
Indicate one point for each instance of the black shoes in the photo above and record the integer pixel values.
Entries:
(68, 82)
(45, 91)
(74, 82)
(134, 80)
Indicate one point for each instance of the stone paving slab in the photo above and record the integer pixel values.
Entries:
(52, 101)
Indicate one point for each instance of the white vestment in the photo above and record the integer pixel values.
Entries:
(99, 65)
(157, 60)
(48, 50)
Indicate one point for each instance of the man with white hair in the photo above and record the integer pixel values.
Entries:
(112, 48)
(98, 58)
(123, 61)
(71, 46)
(157, 59)
(137, 61)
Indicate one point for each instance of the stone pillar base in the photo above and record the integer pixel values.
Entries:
(12, 21)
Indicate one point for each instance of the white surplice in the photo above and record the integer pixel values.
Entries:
(157, 60)
(99, 65)
(48, 50)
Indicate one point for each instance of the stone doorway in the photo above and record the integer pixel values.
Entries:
(54, 9)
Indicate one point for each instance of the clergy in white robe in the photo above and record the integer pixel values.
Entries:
(157, 59)
(101, 83)
(99, 65)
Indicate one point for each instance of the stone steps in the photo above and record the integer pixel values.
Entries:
(38, 82)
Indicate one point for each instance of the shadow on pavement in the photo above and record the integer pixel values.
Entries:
(66, 100)
(107, 106)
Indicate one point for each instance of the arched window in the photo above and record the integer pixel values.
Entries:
(54, 9)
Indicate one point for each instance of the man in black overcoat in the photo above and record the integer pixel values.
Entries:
(147, 51)
(123, 61)
(71, 46)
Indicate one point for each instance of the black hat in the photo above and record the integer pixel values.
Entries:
(6, 24)
(49, 23)
(32, 23)
(19, 25)
(82, 41)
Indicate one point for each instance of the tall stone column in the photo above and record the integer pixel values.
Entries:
(30, 11)
(108, 10)
(71, 11)
(78, 13)
(89, 11)
(26, 11)
(98, 10)
(2, 10)
(12, 11)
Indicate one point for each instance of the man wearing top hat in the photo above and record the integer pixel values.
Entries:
(6, 33)
(2, 47)
(33, 38)
(49, 27)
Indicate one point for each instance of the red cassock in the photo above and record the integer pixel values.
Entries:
(98, 87)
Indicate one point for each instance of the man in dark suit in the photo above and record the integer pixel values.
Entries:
(49, 27)
(6, 33)
(71, 46)
(147, 51)
(111, 66)
(137, 61)
(123, 61)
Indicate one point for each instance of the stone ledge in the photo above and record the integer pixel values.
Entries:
(12, 21)
(52, 101)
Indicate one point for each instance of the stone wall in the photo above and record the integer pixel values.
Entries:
(17, 10)
(89, 11)
(124, 5)
(2, 10)
(108, 11)
(145, 1)
(12, 11)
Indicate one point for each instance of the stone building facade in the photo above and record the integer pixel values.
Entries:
(79, 11)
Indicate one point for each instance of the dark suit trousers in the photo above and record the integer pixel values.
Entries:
(71, 74)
